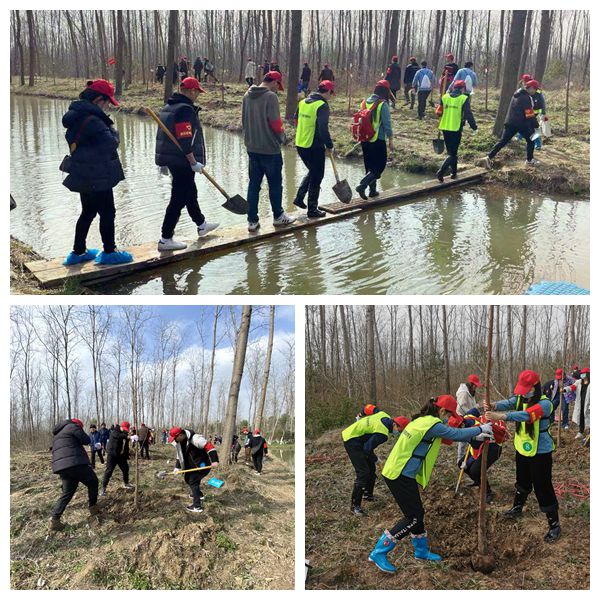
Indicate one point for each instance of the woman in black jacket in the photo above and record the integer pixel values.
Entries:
(94, 169)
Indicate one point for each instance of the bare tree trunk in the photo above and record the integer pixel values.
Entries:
(500, 50)
(294, 65)
(173, 20)
(263, 393)
(119, 55)
(347, 359)
(370, 314)
(445, 343)
(543, 45)
(31, 48)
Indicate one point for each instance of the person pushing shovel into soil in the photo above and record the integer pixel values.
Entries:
(193, 451)
(180, 116)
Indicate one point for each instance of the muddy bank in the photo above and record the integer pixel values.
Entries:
(564, 161)
(159, 545)
(337, 544)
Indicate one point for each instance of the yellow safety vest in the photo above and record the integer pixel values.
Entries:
(307, 122)
(367, 425)
(452, 116)
(376, 118)
(405, 449)
(525, 444)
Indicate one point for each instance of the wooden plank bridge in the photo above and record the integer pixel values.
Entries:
(51, 272)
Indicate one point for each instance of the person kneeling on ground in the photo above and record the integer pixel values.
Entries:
(375, 149)
(312, 137)
(456, 106)
(532, 412)
(410, 464)
(180, 116)
(193, 451)
(94, 169)
(360, 440)
(258, 449)
(71, 463)
(117, 454)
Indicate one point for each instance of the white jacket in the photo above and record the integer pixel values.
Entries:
(464, 400)
(575, 417)
(250, 69)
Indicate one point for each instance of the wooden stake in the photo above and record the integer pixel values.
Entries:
(559, 419)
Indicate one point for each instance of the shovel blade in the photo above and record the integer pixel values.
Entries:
(236, 204)
(438, 146)
(343, 191)
(161, 474)
(215, 482)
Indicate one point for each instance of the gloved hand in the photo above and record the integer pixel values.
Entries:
(197, 167)
(482, 437)
(215, 464)
(486, 428)
(176, 470)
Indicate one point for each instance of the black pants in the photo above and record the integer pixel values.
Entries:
(314, 160)
(70, 479)
(257, 460)
(374, 157)
(250, 81)
(508, 134)
(111, 463)
(184, 194)
(408, 89)
(452, 140)
(364, 467)
(145, 449)
(92, 204)
(406, 493)
(473, 468)
(393, 96)
(193, 480)
(198, 74)
(100, 456)
(422, 102)
(535, 472)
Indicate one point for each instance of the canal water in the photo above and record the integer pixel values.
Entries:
(482, 239)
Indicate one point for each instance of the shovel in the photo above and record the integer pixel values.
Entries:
(438, 145)
(235, 204)
(163, 474)
(342, 188)
(463, 466)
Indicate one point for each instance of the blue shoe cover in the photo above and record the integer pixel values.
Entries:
(113, 258)
(75, 259)
(379, 554)
(421, 545)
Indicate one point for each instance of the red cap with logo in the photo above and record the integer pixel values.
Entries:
(402, 422)
(327, 86)
(275, 76)
(105, 88)
(532, 83)
(77, 422)
(526, 381)
(474, 379)
(191, 83)
(447, 402)
(125, 425)
(174, 432)
(558, 374)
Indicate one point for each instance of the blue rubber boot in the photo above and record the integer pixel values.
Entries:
(113, 258)
(75, 259)
(379, 554)
(421, 545)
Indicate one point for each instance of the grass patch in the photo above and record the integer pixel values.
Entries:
(225, 542)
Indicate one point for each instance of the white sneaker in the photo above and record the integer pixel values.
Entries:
(566, 427)
(206, 228)
(578, 436)
(532, 163)
(283, 219)
(253, 226)
(170, 244)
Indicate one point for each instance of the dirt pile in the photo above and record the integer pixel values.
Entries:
(246, 523)
(338, 544)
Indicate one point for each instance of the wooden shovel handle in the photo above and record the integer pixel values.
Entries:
(337, 178)
(214, 182)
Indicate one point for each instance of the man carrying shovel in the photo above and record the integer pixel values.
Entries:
(180, 116)
(193, 452)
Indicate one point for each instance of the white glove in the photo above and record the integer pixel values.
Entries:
(487, 429)
(215, 464)
(197, 167)
(176, 470)
(482, 437)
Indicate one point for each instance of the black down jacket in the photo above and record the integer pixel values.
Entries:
(68, 446)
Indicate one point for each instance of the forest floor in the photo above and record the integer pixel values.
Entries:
(244, 539)
(338, 544)
(564, 161)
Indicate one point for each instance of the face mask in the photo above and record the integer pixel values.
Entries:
(396, 433)
(528, 394)
(583, 376)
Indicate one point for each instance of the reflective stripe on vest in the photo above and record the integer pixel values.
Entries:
(406, 447)
(307, 122)
(452, 116)
(376, 118)
(525, 444)
(366, 426)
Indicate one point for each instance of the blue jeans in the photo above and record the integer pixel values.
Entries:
(565, 413)
(261, 165)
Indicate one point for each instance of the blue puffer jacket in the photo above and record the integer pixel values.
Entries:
(95, 438)
(68, 446)
(95, 164)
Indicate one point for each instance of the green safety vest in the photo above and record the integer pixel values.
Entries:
(452, 116)
(376, 118)
(525, 444)
(367, 425)
(307, 122)
(538, 111)
(406, 447)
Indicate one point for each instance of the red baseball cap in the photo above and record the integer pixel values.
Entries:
(328, 85)
(474, 379)
(459, 83)
(256, 431)
(402, 422)
(450, 56)
(412, 58)
(174, 432)
(275, 76)
(105, 88)
(526, 77)
(394, 58)
(575, 367)
(125, 425)
(526, 381)
(558, 374)
(448, 402)
(532, 83)
(77, 422)
(369, 409)
(585, 370)
(191, 83)
(383, 82)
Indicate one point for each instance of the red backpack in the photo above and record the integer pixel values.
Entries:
(362, 122)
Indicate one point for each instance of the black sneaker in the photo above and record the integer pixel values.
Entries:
(440, 176)
(361, 191)
(514, 512)
(300, 203)
(373, 194)
(368, 497)
(454, 176)
(358, 511)
(317, 214)
(489, 497)
(553, 533)
(194, 509)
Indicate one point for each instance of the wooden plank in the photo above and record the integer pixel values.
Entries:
(405, 193)
(51, 273)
